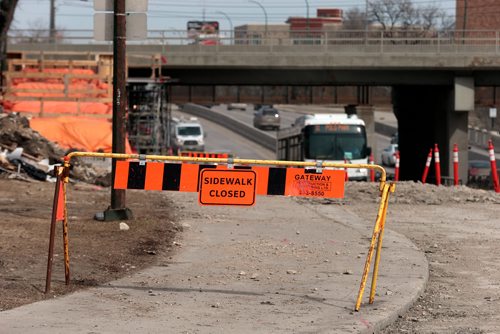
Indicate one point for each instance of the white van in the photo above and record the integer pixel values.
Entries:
(187, 135)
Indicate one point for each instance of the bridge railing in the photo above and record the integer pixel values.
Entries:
(336, 41)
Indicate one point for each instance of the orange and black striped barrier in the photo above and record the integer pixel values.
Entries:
(269, 180)
(194, 154)
(227, 181)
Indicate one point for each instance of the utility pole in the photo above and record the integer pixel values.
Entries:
(117, 210)
(307, 16)
(52, 24)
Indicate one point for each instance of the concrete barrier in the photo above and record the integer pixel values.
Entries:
(479, 137)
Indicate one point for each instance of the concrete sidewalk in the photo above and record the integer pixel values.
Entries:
(283, 266)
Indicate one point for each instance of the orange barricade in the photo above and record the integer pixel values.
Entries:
(228, 181)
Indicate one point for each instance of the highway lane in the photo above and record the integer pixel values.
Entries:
(219, 139)
(288, 116)
(246, 116)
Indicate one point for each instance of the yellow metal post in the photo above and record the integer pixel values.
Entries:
(376, 231)
(390, 188)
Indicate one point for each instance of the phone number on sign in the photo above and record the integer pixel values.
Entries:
(311, 193)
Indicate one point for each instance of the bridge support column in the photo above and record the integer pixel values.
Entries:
(367, 114)
(426, 115)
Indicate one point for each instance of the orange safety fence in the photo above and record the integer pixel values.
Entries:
(59, 107)
(57, 91)
(74, 89)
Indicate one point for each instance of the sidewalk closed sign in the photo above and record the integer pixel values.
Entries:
(227, 187)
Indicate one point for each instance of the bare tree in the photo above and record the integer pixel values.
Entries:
(37, 33)
(354, 19)
(7, 9)
(404, 15)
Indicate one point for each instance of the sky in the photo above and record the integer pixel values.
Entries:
(174, 14)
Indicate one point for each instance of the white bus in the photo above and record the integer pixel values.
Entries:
(328, 138)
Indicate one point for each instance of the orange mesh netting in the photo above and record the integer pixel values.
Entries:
(59, 107)
(79, 133)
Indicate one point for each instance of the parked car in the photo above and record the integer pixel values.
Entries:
(267, 118)
(235, 105)
(389, 155)
(395, 138)
(478, 173)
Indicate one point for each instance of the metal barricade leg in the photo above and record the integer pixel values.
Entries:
(376, 232)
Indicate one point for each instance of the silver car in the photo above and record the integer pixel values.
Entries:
(267, 118)
(389, 155)
(237, 105)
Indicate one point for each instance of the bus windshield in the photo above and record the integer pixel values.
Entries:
(335, 142)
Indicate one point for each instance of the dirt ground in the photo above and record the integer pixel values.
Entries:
(99, 251)
(457, 228)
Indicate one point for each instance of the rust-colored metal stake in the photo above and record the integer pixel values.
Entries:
(53, 229)
(65, 240)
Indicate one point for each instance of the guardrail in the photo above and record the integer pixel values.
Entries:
(480, 137)
(335, 41)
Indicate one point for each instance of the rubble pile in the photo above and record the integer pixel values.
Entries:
(413, 193)
(15, 132)
(25, 154)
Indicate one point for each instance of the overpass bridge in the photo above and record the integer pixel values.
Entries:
(433, 76)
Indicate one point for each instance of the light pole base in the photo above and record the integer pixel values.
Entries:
(114, 215)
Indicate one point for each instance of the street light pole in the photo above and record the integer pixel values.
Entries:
(366, 15)
(230, 26)
(307, 15)
(265, 15)
(52, 23)
(366, 21)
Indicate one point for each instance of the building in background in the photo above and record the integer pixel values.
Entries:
(478, 15)
(296, 30)
(259, 34)
(313, 30)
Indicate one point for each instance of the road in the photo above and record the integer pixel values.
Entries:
(290, 112)
(220, 139)
(288, 116)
